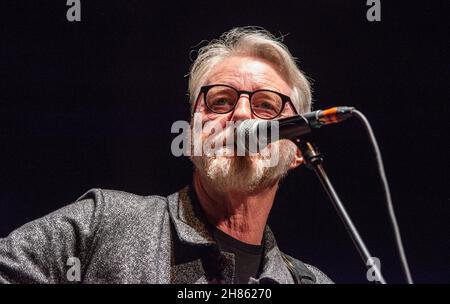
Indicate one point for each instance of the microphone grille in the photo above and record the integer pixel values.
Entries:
(248, 135)
(247, 128)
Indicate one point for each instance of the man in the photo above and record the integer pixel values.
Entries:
(212, 231)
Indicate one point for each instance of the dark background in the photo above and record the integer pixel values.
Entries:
(90, 104)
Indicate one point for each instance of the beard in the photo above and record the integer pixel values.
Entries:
(245, 174)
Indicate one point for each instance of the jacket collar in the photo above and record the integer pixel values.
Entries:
(191, 228)
(188, 218)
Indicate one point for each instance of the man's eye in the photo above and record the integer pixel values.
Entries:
(265, 105)
(221, 102)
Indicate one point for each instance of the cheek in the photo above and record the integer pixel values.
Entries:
(219, 120)
(213, 117)
(207, 116)
(213, 123)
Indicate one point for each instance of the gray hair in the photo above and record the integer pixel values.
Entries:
(251, 41)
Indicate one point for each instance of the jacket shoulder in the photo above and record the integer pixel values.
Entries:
(116, 204)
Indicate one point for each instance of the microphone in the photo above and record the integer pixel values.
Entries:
(251, 133)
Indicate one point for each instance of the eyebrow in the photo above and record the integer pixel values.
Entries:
(270, 88)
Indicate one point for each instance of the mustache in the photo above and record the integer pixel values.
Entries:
(225, 143)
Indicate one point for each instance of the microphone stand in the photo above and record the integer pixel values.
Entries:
(314, 160)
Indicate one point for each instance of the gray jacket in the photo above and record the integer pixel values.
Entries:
(110, 236)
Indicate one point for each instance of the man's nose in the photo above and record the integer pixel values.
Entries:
(242, 110)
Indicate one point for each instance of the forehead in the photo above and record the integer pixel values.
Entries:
(248, 73)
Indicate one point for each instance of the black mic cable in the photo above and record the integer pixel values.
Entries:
(387, 193)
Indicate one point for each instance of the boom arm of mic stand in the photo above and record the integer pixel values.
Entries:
(313, 160)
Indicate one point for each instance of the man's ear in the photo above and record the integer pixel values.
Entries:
(298, 159)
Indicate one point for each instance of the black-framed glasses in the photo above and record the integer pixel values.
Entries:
(265, 104)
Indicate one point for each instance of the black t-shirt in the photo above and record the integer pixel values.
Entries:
(247, 257)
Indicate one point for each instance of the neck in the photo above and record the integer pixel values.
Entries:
(240, 215)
